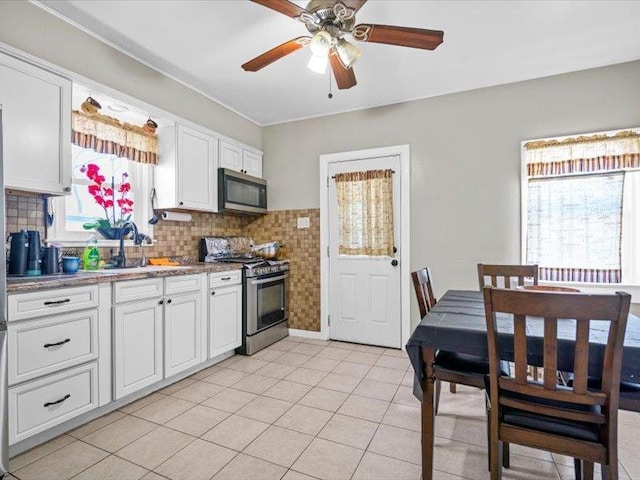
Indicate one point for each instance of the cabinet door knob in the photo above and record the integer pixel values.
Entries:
(181, 203)
(169, 301)
(213, 292)
(160, 302)
(67, 189)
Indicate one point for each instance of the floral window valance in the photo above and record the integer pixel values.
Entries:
(365, 213)
(105, 134)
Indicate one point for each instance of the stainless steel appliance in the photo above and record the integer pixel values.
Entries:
(265, 293)
(266, 287)
(241, 194)
(4, 429)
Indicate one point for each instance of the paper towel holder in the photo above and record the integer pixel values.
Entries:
(176, 216)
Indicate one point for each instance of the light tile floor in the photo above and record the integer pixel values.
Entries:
(300, 409)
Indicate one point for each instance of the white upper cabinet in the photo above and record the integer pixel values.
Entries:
(186, 175)
(36, 123)
(240, 159)
(252, 163)
(230, 156)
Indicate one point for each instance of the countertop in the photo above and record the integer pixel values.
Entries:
(89, 277)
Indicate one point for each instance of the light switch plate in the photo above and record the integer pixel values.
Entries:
(304, 222)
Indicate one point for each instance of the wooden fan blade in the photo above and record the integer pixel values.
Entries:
(345, 77)
(355, 4)
(277, 53)
(283, 6)
(403, 36)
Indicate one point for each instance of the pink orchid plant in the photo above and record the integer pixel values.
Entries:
(117, 205)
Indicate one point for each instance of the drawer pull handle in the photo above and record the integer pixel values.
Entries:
(58, 302)
(226, 278)
(47, 345)
(66, 397)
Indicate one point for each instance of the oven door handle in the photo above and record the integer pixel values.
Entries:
(270, 279)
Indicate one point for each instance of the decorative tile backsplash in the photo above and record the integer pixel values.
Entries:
(180, 239)
(302, 248)
(24, 212)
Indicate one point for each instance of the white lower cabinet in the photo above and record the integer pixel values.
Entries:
(41, 404)
(225, 319)
(182, 332)
(137, 345)
(46, 345)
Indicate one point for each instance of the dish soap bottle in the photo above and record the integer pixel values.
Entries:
(91, 255)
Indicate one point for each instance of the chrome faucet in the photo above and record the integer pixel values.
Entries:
(120, 258)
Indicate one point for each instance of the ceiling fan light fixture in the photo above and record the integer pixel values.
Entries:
(318, 63)
(320, 43)
(348, 53)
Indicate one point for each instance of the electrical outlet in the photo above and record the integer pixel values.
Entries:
(304, 222)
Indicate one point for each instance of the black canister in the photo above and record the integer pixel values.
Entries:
(34, 253)
(50, 262)
(18, 252)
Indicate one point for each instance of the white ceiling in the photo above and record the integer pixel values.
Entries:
(203, 44)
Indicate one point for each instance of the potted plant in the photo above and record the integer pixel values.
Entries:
(117, 205)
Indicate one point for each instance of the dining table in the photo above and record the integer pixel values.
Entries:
(457, 323)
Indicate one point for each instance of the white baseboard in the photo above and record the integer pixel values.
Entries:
(294, 332)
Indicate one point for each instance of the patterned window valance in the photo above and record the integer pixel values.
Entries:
(584, 154)
(106, 134)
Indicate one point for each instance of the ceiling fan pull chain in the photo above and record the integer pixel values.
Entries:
(330, 94)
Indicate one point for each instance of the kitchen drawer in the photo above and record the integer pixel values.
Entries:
(220, 279)
(44, 346)
(137, 290)
(41, 404)
(23, 306)
(182, 284)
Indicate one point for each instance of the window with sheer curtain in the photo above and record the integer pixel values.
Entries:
(582, 198)
(365, 213)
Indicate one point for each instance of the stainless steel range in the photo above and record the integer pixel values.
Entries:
(265, 294)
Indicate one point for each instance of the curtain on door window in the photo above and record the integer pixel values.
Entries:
(365, 213)
(576, 190)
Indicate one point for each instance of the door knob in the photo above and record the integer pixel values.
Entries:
(394, 263)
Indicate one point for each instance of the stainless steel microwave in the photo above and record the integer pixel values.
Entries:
(241, 194)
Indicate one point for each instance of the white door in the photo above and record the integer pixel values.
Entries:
(182, 330)
(137, 345)
(197, 155)
(225, 320)
(364, 291)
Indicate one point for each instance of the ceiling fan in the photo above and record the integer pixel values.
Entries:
(329, 21)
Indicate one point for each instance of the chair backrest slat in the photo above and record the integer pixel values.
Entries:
(548, 307)
(520, 348)
(550, 353)
(581, 362)
(424, 291)
(506, 273)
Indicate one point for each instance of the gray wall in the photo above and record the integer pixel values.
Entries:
(35, 31)
(465, 158)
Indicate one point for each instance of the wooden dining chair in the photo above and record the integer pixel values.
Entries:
(575, 421)
(502, 276)
(506, 273)
(449, 366)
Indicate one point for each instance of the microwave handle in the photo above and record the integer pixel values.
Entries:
(270, 279)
